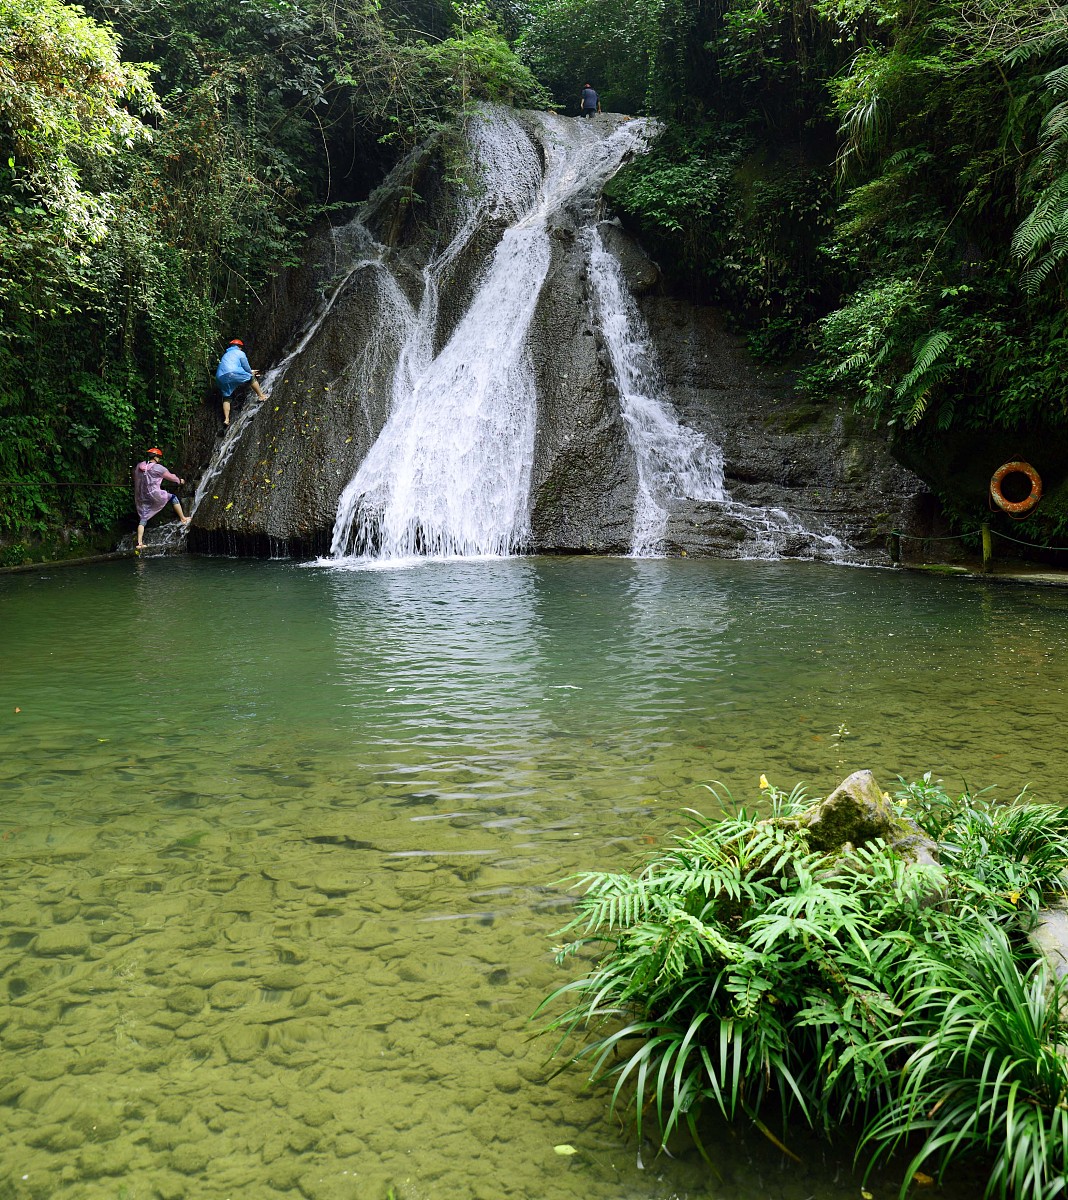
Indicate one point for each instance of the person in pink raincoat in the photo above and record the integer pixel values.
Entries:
(149, 496)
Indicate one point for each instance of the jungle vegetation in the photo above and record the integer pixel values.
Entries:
(747, 971)
(159, 163)
(878, 188)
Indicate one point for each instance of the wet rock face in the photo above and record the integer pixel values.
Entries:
(279, 490)
(283, 479)
(818, 463)
(639, 271)
(583, 484)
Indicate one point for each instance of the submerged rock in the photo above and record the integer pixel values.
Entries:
(62, 940)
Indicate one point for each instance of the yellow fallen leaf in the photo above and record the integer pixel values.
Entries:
(922, 1180)
(564, 1149)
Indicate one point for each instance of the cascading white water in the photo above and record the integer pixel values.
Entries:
(450, 472)
(673, 461)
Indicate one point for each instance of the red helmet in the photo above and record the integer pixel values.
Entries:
(237, 342)
(154, 453)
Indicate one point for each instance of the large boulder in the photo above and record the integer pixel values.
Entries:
(831, 482)
(859, 811)
(278, 490)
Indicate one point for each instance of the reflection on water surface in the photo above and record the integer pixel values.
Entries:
(281, 846)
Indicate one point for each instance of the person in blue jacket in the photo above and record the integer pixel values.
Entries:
(234, 376)
(589, 101)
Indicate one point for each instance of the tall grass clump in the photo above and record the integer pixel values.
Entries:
(886, 987)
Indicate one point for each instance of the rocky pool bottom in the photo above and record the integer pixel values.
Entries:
(282, 848)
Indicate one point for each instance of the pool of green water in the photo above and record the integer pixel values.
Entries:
(282, 846)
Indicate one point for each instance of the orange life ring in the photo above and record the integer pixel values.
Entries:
(1016, 508)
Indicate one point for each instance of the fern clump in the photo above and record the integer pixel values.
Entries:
(743, 971)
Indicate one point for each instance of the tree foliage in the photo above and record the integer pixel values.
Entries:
(877, 190)
(68, 107)
(159, 163)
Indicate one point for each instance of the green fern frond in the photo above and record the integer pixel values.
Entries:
(1040, 241)
(1057, 81)
(852, 363)
(1056, 121)
(927, 368)
(1033, 278)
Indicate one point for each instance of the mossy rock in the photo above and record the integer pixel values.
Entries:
(800, 416)
(857, 812)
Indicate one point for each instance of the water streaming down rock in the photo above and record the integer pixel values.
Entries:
(450, 473)
(443, 470)
(675, 463)
(479, 375)
(673, 460)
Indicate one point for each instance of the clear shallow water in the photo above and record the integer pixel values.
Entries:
(281, 846)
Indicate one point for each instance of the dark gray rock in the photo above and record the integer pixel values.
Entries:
(286, 473)
(829, 472)
(584, 478)
(640, 273)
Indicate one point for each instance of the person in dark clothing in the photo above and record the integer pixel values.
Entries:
(589, 101)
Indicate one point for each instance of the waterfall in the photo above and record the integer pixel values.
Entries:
(444, 334)
(450, 472)
(673, 461)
